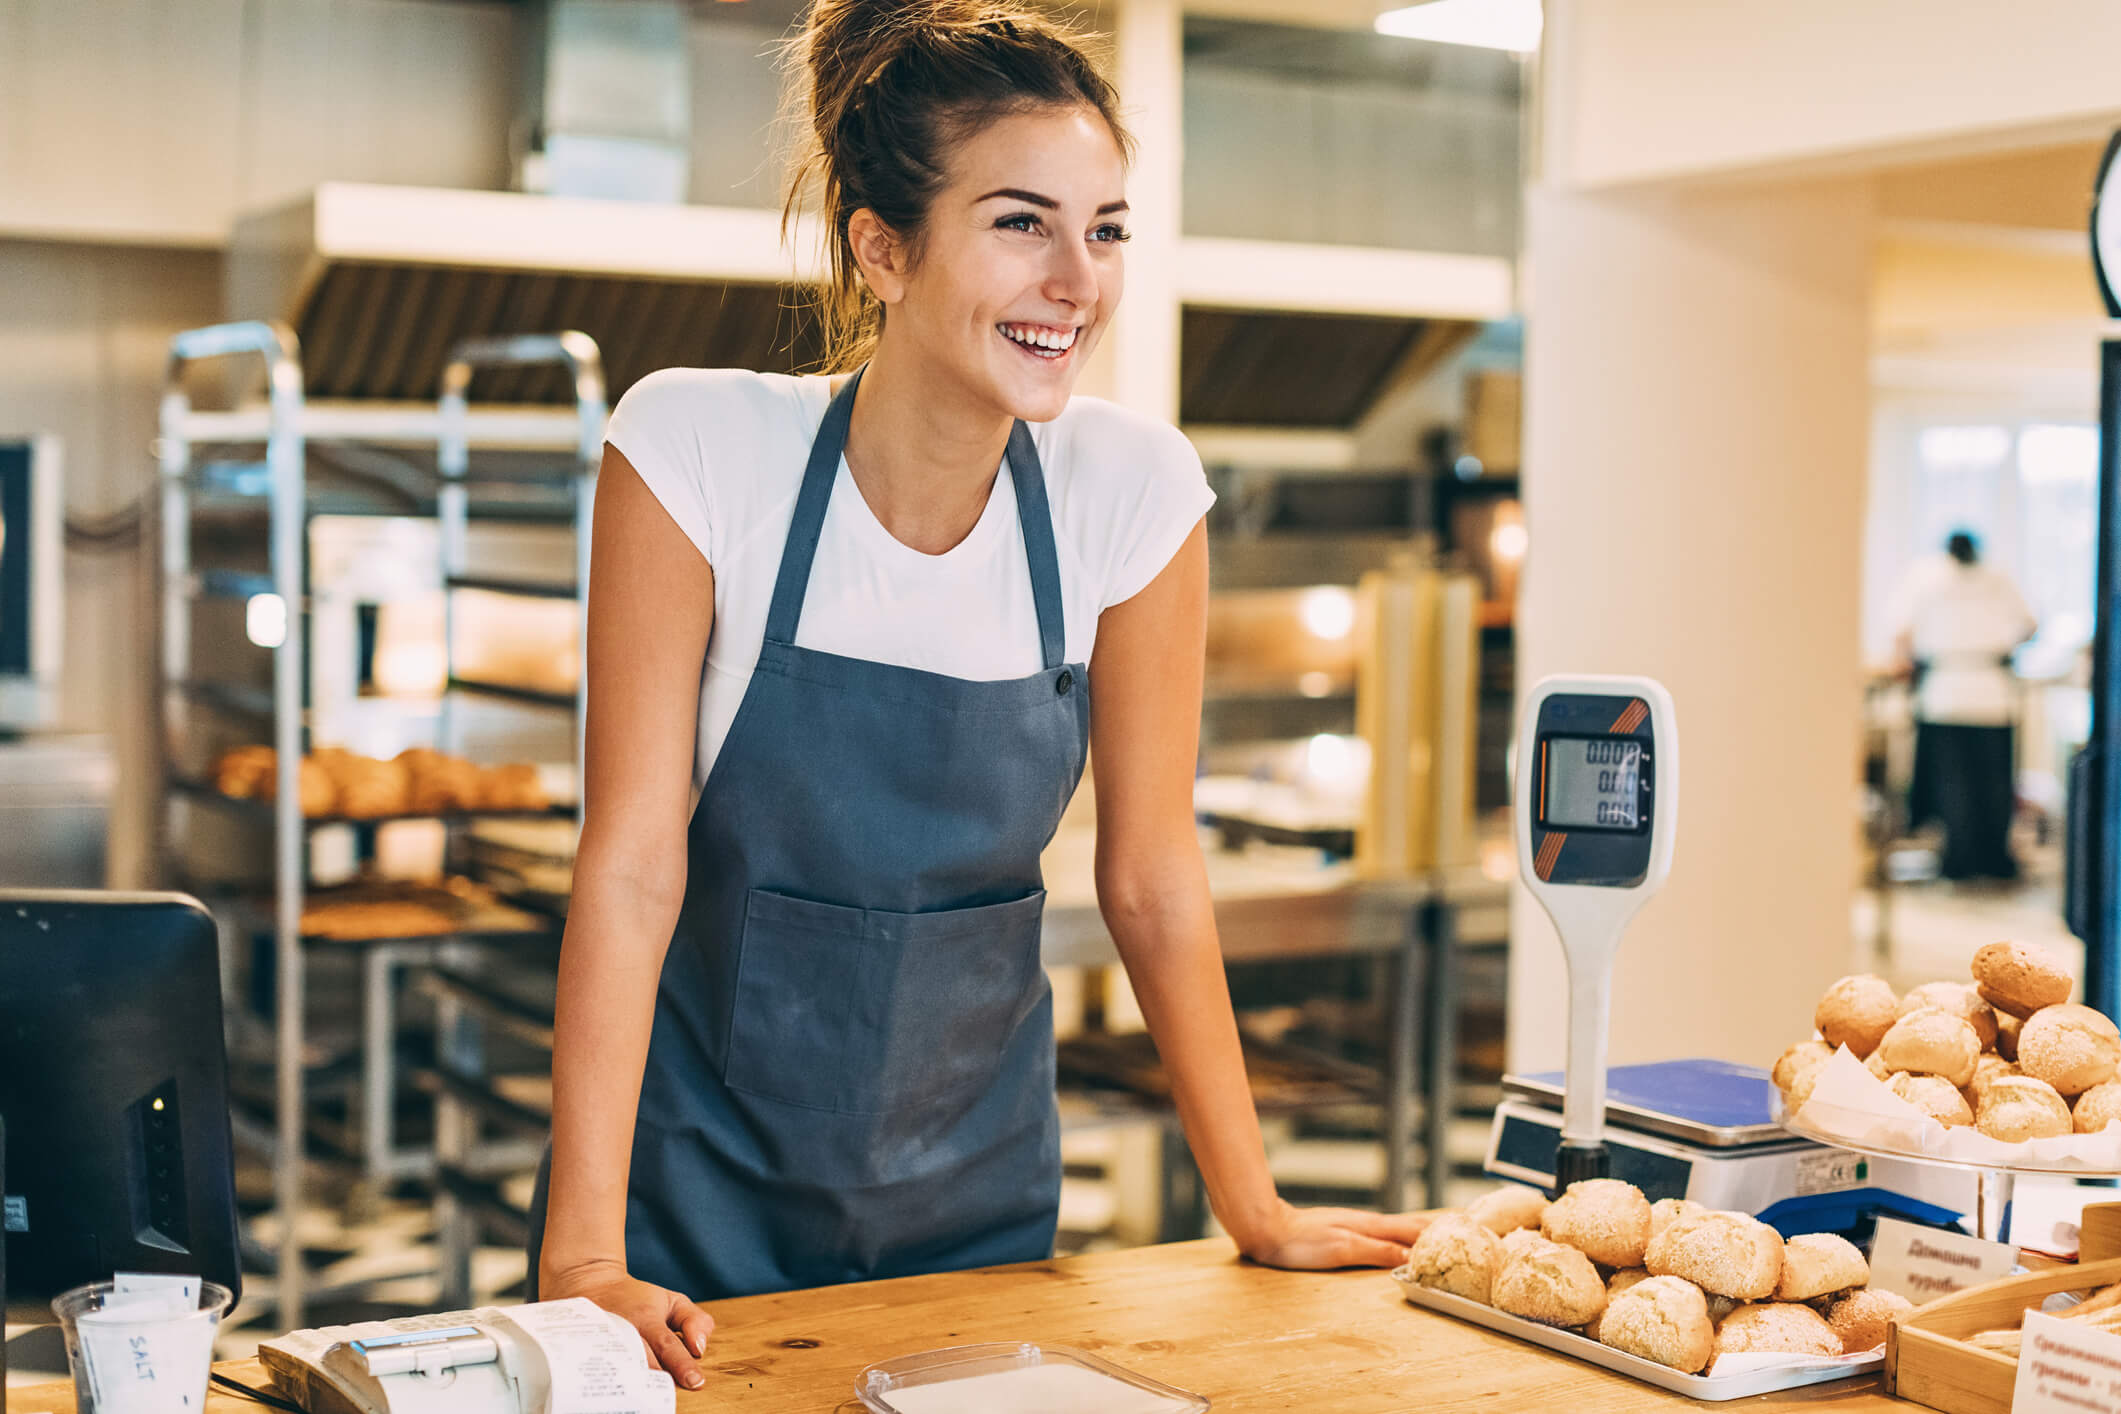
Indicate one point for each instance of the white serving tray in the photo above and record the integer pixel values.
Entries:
(1741, 1384)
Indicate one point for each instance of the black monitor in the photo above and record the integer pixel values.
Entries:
(114, 1090)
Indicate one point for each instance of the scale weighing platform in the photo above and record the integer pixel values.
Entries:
(1706, 1130)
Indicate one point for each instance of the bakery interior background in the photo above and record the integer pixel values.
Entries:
(1583, 348)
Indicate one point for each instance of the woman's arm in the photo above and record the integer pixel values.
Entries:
(1152, 887)
(651, 608)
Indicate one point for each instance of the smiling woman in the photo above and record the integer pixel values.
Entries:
(842, 634)
(891, 91)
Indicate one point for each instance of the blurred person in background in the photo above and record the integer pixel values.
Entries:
(1957, 623)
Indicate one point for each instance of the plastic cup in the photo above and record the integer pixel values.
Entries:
(152, 1364)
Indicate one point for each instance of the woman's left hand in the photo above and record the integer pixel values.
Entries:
(1317, 1239)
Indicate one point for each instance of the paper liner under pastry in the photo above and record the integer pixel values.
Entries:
(1851, 1104)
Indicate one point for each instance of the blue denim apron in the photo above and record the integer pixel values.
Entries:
(850, 1074)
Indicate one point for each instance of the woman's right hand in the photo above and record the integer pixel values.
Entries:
(674, 1330)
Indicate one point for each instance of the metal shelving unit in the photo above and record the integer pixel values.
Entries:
(260, 453)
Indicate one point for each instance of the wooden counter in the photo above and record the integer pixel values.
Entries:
(1190, 1314)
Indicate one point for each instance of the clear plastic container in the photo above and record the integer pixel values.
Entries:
(1015, 1379)
(157, 1364)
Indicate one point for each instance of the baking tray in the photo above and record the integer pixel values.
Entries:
(1713, 1389)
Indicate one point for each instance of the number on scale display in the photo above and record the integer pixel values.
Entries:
(1592, 783)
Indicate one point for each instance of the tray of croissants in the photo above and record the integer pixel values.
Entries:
(1709, 1304)
(2002, 1071)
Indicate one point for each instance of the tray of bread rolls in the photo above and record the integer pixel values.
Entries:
(2002, 1072)
(1709, 1304)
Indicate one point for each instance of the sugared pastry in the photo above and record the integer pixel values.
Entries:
(2018, 1107)
(2070, 1047)
(1508, 1209)
(1663, 1319)
(1860, 1318)
(1875, 1064)
(1666, 1211)
(1986, 1069)
(1800, 1091)
(1961, 1000)
(1935, 1096)
(1603, 1218)
(1856, 1012)
(2007, 1028)
(2020, 980)
(1615, 1284)
(1815, 1264)
(1777, 1326)
(2097, 1107)
(1522, 1239)
(1805, 1055)
(1549, 1283)
(1457, 1254)
(1726, 1254)
(1932, 1041)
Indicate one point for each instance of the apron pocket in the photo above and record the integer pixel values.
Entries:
(868, 1012)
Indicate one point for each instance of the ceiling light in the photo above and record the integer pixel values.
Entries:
(1488, 24)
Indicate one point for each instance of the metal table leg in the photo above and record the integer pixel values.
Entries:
(1439, 926)
(1400, 1049)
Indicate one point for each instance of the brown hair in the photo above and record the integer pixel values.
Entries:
(885, 88)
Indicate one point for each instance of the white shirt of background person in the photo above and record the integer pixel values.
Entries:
(1962, 621)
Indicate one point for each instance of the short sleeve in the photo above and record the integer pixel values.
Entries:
(1172, 494)
(657, 427)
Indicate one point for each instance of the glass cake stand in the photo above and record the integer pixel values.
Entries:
(1996, 1182)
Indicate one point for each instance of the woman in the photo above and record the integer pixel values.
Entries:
(859, 611)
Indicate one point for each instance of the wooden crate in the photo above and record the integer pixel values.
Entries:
(1927, 1359)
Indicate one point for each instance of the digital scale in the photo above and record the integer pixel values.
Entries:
(1597, 790)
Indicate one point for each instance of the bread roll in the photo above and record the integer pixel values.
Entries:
(1508, 1209)
(2007, 1028)
(1961, 1000)
(1456, 1254)
(1546, 1282)
(1857, 1012)
(2017, 1107)
(1726, 1254)
(1615, 1284)
(2072, 1048)
(1663, 1319)
(245, 772)
(1777, 1326)
(1816, 1264)
(2020, 980)
(1988, 1068)
(1666, 1211)
(1603, 1218)
(1932, 1042)
(2097, 1107)
(1805, 1055)
(1861, 1317)
(1935, 1096)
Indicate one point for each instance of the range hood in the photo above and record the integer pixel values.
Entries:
(379, 282)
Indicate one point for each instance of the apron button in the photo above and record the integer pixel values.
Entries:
(1062, 683)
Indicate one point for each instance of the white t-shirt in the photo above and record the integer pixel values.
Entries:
(724, 451)
(1964, 620)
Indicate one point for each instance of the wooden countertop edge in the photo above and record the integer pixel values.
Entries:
(1191, 1314)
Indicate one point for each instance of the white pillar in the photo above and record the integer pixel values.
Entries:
(1140, 369)
(1697, 394)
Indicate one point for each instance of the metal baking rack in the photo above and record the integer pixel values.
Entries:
(261, 454)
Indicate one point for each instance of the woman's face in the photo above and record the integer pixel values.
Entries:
(1019, 270)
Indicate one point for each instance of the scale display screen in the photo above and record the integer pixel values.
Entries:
(1591, 783)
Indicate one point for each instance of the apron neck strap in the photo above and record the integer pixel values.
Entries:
(1032, 514)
